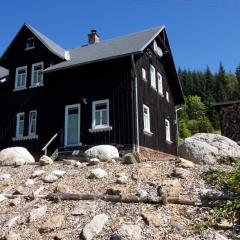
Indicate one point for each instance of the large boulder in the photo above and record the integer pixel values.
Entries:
(14, 155)
(207, 148)
(102, 152)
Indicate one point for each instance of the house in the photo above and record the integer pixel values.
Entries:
(229, 118)
(121, 91)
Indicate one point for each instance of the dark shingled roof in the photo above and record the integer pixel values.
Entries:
(3, 72)
(116, 47)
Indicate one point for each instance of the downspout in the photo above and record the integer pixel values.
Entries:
(136, 149)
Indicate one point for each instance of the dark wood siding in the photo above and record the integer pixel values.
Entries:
(160, 109)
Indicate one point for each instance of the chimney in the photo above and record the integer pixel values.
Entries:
(93, 37)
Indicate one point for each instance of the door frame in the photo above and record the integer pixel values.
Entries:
(67, 107)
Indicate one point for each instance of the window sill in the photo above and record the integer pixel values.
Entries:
(147, 132)
(25, 138)
(154, 88)
(161, 94)
(100, 129)
(169, 141)
(19, 89)
(29, 48)
(36, 85)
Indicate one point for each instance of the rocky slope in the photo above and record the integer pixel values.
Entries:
(30, 216)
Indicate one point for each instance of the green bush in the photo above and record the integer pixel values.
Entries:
(204, 125)
(183, 129)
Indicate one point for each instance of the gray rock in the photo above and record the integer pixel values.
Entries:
(127, 232)
(37, 213)
(2, 197)
(29, 183)
(5, 176)
(93, 161)
(37, 173)
(45, 160)
(122, 180)
(184, 163)
(93, 228)
(58, 173)
(84, 208)
(218, 236)
(102, 152)
(79, 165)
(98, 173)
(10, 156)
(50, 178)
(180, 173)
(142, 193)
(206, 148)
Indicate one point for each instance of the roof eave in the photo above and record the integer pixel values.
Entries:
(90, 62)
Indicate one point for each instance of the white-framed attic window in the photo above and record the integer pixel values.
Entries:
(146, 120)
(32, 127)
(20, 124)
(20, 78)
(157, 49)
(153, 76)
(100, 116)
(30, 44)
(37, 75)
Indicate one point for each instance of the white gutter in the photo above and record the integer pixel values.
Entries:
(136, 104)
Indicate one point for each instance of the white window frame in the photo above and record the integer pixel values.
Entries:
(167, 96)
(160, 83)
(144, 74)
(19, 135)
(22, 87)
(146, 121)
(157, 49)
(30, 123)
(29, 47)
(101, 127)
(153, 76)
(168, 131)
(38, 84)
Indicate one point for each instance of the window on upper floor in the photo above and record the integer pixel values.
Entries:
(29, 44)
(153, 76)
(37, 75)
(144, 74)
(20, 124)
(160, 84)
(32, 127)
(21, 78)
(167, 96)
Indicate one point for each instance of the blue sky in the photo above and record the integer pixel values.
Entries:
(200, 32)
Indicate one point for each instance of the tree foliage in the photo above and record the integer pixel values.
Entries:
(207, 87)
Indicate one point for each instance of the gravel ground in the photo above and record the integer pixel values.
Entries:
(176, 221)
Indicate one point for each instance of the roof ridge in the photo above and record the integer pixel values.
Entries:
(121, 36)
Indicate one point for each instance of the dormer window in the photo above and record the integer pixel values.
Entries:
(29, 44)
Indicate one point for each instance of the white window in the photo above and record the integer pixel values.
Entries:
(37, 74)
(160, 86)
(20, 125)
(32, 123)
(100, 114)
(144, 75)
(146, 119)
(21, 78)
(29, 44)
(167, 125)
(167, 96)
(153, 76)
